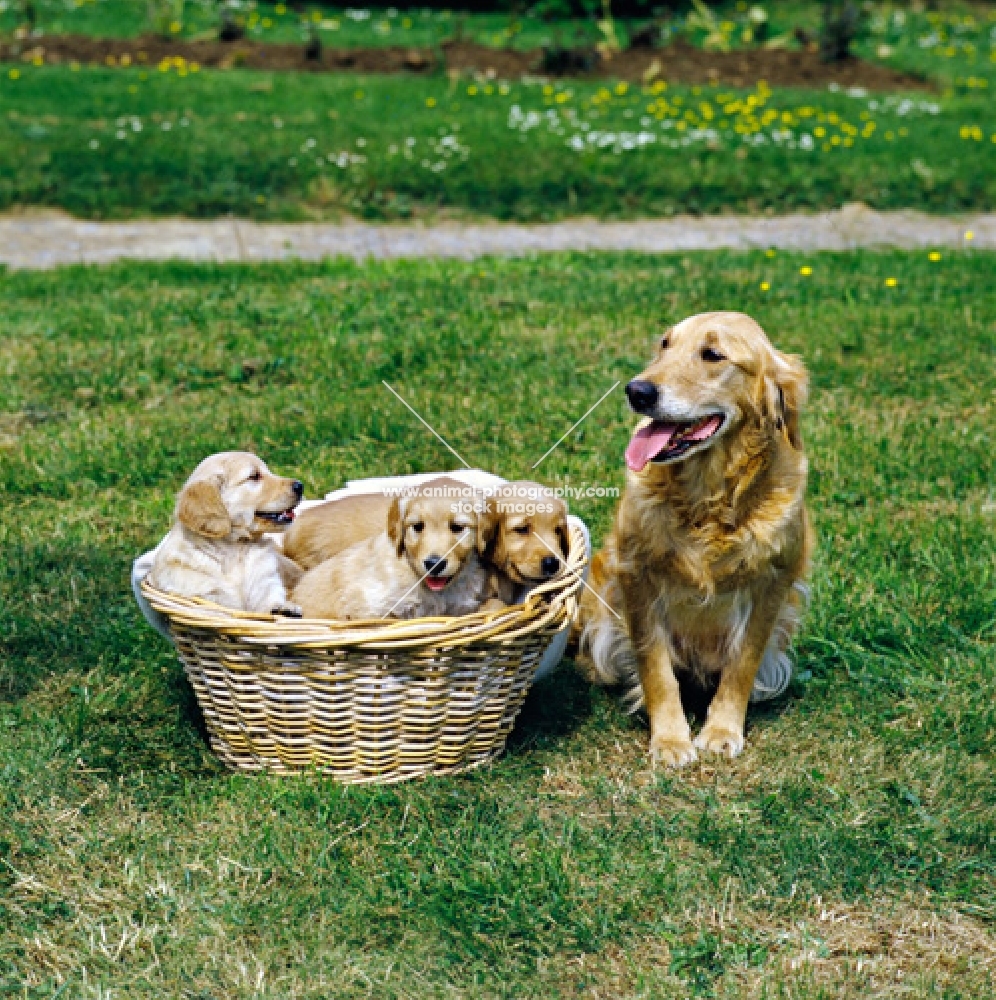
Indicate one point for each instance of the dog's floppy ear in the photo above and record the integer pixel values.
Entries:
(201, 509)
(488, 524)
(396, 525)
(786, 390)
(563, 537)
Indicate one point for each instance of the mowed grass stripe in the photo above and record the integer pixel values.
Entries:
(847, 853)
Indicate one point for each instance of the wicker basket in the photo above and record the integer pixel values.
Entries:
(366, 701)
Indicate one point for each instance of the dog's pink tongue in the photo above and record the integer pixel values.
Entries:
(647, 443)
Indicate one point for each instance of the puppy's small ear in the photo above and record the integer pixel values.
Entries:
(786, 391)
(201, 509)
(488, 523)
(396, 525)
(562, 535)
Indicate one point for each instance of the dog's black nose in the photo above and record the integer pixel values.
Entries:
(434, 565)
(550, 565)
(642, 396)
(298, 487)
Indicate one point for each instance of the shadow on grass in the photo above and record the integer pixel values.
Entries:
(555, 708)
(696, 698)
(75, 649)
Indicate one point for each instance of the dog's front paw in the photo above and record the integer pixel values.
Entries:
(720, 738)
(672, 751)
(288, 610)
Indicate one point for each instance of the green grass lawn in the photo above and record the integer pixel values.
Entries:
(113, 142)
(847, 853)
(177, 140)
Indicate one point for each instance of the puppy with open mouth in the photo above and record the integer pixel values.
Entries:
(703, 572)
(218, 547)
(425, 563)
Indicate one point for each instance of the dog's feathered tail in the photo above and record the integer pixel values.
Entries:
(605, 645)
(775, 672)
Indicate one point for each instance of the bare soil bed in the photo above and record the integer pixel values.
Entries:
(150, 49)
(678, 62)
(684, 63)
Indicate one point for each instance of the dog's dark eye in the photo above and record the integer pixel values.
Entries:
(665, 343)
(255, 476)
(522, 529)
(457, 528)
(417, 527)
(708, 354)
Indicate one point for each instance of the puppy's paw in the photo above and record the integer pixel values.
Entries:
(288, 610)
(717, 737)
(672, 751)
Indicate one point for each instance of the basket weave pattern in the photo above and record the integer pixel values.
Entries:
(366, 701)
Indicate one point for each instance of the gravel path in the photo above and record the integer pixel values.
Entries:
(47, 239)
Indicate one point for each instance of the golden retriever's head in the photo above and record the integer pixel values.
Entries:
(525, 532)
(435, 528)
(714, 373)
(233, 495)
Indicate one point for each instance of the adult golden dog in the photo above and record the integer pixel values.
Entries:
(703, 570)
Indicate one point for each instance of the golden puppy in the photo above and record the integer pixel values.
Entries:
(703, 570)
(330, 528)
(217, 547)
(526, 540)
(425, 563)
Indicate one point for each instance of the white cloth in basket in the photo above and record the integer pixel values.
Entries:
(477, 478)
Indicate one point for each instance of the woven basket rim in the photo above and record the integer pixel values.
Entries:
(545, 605)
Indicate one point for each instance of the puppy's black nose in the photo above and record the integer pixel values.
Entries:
(434, 565)
(298, 487)
(642, 395)
(550, 565)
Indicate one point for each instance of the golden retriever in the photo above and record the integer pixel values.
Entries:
(703, 570)
(217, 547)
(332, 527)
(426, 562)
(525, 539)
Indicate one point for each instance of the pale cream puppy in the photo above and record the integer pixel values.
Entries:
(425, 563)
(218, 547)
